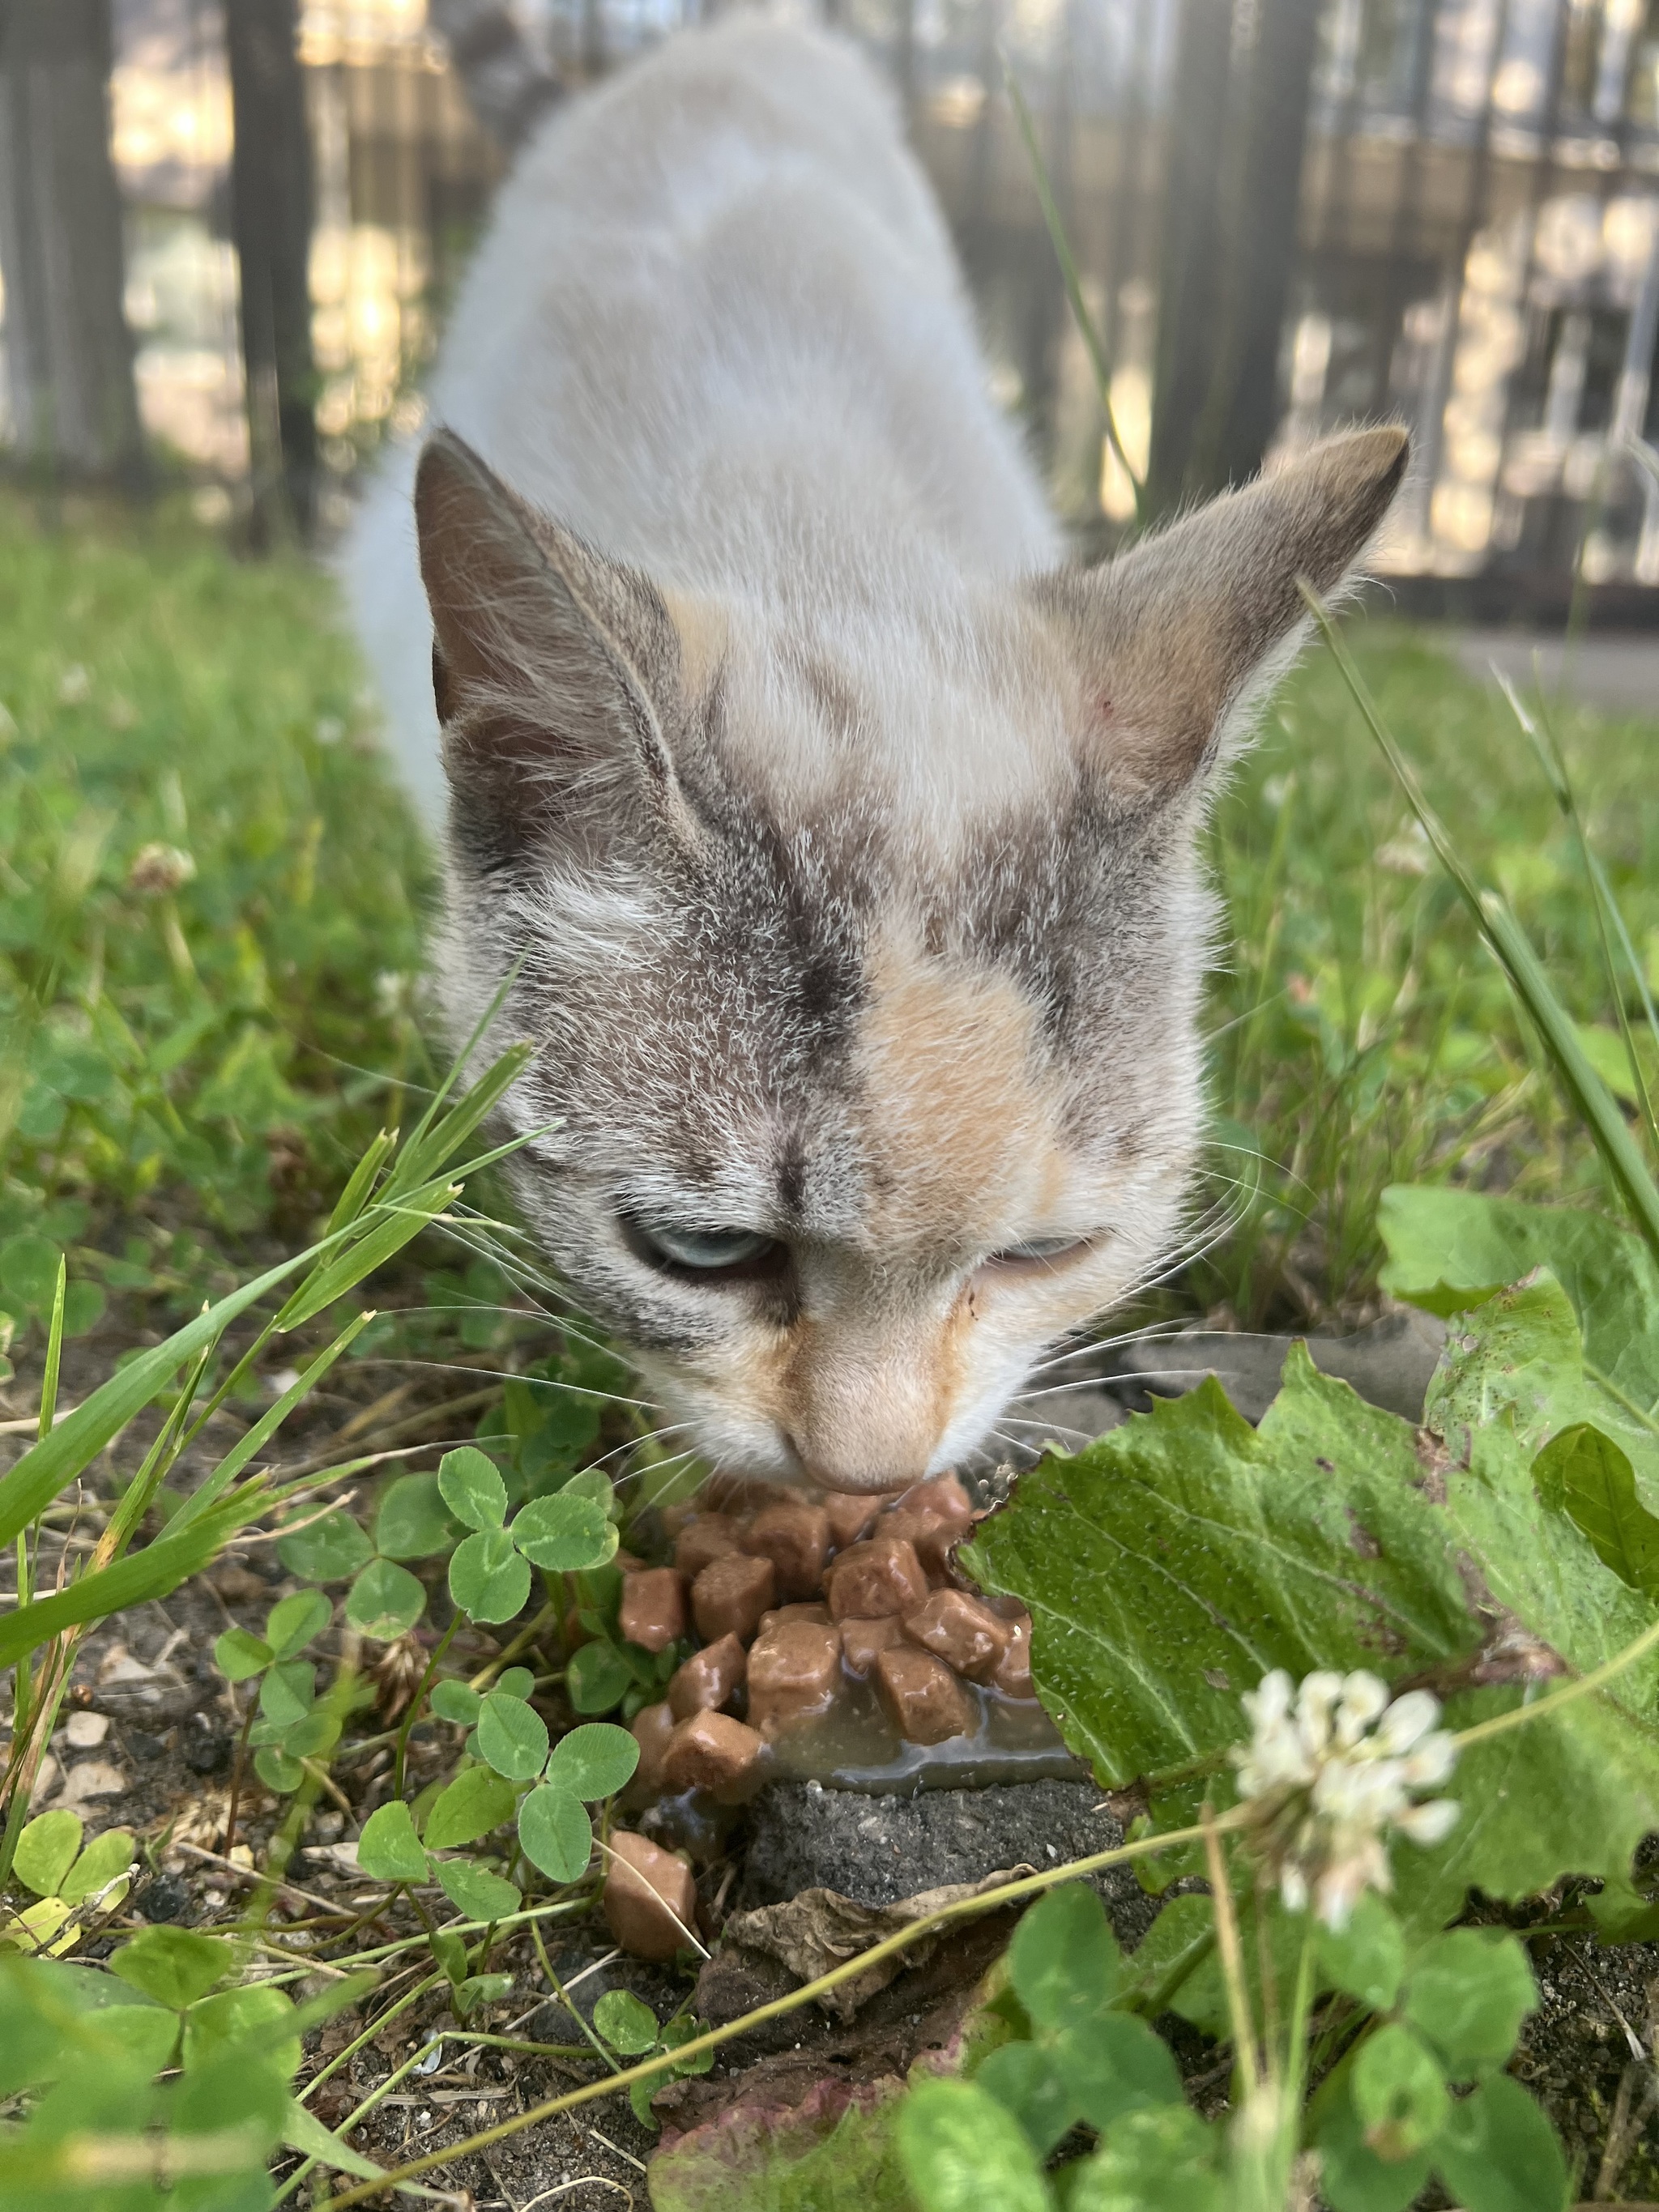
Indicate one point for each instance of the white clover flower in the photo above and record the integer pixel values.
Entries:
(1330, 1771)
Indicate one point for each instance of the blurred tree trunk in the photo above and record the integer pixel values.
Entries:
(69, 351)
(1190, 256)
(270, 227)
(1245, 405)
(1231, 203)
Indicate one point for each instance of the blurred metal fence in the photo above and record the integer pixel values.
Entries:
(1477, 251)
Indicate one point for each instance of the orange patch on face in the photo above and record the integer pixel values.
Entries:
(959, 1113)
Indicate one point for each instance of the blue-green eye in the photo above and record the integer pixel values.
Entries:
(703, 1251)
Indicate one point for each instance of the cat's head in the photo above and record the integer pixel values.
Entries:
(862, 941)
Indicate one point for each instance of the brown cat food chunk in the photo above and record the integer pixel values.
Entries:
(861, 1641)
(962, 1631)
(794, 1669)
(707, 1679)
(652, 1613)
(652, 1727)
(731, 1594)
(934, 1517)
(650, 1898)
(920, 1696)
(884, 1576)
(710, 1751)
(707, 1537)
(850, 1515)
(814, 1610)
(795, 1537)
(1012, 1672)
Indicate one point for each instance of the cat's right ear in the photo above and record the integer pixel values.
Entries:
(553, 669)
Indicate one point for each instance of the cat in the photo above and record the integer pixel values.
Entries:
(844, 832)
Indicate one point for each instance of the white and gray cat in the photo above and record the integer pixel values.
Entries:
(844, 832)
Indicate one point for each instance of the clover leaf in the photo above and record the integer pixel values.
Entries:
(488, 1578)
(388, 1848)
(386, 1601)
(472, 1487)
(512, 1736)
(555, 1833)
(594, 1761)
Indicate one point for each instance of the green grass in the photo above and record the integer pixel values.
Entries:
(188, 1075)
(179, 1078)
(1363, 1036)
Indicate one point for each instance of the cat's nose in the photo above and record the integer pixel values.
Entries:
(831, 1470)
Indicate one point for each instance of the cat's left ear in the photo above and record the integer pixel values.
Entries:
(1178, 639)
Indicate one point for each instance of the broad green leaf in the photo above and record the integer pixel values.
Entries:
(472, 1487)
(239, 1655)
(386, 1601)
(174, 1966)
(226, 2093)
(104, 1858)
(555, 1833)
(1445, 1246)
(1399, 2092)
(1025, 2080)
(480, 1990)
(329, 1551)
(1170, 1566)
(1161, 2159)
(456, 1701)
(1115, 2064)
(278, 1770)
(488, 1580)
(564, 1535)
(594, 1761)
(479, 1893)
(1499, 2154)
(413, 1522)
(450, 1951)
(1468, 1994)
(388, 1848)
(304, 2132)
(625, 2023)
(515, 1681)
(1583, 1474)
(476, 1801)
(292, 1621)
(1365, 1959)
(288, 1692)
(1064, 1960)
(962, 2152)
(218, 2022)
(46, 1850)
(512, 1737)
(598, 1677)
(1353, 2178)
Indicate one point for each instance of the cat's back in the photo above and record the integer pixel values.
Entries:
(715, 327)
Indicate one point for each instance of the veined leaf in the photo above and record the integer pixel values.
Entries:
(1584, 1474)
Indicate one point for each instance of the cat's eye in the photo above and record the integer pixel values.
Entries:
(1044, 1252)
(710, 1252)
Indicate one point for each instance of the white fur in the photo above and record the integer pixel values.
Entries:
(716, 329)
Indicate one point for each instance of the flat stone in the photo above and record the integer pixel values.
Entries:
(878, 1849)
(1389, 1364)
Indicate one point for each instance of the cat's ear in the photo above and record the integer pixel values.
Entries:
(1177, 637)
(552, 668)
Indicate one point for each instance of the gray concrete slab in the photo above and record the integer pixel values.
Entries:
(1620, 675)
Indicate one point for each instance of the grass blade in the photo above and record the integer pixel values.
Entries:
(76, 1441)
(396, 1228)
(54, 1352)
(1094, 345)
(355, 1196)
(1548, 747)
(1590, 1097)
